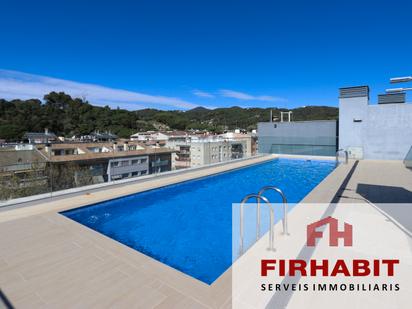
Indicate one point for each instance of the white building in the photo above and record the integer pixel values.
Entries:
(237, 136)
(195, 150)
(149, 136)
(209, 151)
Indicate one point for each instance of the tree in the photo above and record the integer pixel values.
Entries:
(69, 116)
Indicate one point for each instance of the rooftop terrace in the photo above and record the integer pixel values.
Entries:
(47, 260)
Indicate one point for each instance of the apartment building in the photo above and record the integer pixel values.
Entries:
(41, 168)
(23, 171)
(250, 139)
(96, 136)
(127, 167)
(150, 138)
(40, 137)
(209, 151)
(193, 149)
(170, 139)
(89, 163)
(182, 157)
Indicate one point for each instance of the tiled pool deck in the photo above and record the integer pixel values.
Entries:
(49, 261)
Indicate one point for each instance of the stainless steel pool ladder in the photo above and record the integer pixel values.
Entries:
(346, 156)
(271, 236)
(259, 197)
(285, 210)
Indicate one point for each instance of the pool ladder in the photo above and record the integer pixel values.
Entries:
(259, 197)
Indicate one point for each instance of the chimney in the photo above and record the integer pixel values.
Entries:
(392, 98)
(46, 131)
(114, 146)
(126, 146)
(354, 92)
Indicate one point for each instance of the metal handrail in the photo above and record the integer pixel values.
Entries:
(346, 156)
(271, 238)
(285, 209)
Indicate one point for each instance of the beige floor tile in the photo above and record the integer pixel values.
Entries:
(50, 261)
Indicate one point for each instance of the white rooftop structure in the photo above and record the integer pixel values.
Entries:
(374, 131)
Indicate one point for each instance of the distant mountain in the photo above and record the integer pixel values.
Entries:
(232, 117)
(69, 116)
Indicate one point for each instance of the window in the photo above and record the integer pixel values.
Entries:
(135, 174)
(143, 160)
(115, 164)
(124, 163)
(143, 172)
(135, 162)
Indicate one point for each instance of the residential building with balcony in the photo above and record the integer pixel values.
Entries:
(215, 150)
(182, 157)
(91, 163)
(199, 149)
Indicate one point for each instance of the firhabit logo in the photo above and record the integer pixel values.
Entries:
(325, 267)
(334, 234)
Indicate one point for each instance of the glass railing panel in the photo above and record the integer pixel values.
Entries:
(297, 145)
(36, 173)
(23, 180)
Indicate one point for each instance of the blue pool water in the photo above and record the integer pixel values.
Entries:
(188, 226)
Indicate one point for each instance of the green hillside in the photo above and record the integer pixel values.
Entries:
(69, 116)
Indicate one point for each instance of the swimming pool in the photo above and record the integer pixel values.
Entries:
(188, 225)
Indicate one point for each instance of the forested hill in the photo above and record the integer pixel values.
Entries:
(69, 116)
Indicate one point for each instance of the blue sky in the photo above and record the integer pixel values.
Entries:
(180, 54)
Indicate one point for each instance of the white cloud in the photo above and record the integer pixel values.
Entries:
(202, 94)
(245, 96)
(19, 85)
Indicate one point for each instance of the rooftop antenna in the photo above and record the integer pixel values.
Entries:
(396, 80)
(404, 79)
